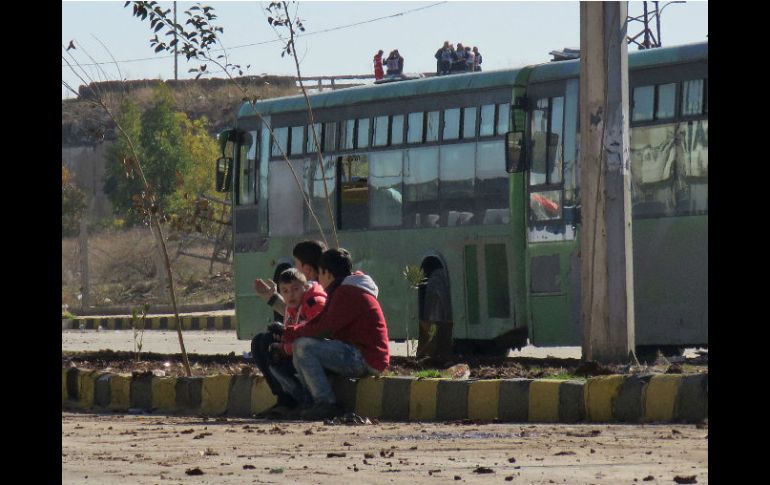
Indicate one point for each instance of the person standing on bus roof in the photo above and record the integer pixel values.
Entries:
(356, 343)
(395, 63)
(443, 59)
(378, 73)
(306, 256)
(458, 62)
(477, 59)
(470, 59)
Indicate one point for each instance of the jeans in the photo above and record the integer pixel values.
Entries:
(261, 356)
(312, 358)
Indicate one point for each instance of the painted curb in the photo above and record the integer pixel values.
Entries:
(659, 398)
(153, 323)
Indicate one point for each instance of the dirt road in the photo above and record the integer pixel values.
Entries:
(153, 449)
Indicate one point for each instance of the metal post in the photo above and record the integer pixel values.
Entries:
(85, 292)
(646, 28)
(607, 309)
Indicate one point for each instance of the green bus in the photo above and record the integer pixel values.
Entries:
(478, 174)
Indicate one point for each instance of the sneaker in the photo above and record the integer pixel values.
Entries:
(319, 411)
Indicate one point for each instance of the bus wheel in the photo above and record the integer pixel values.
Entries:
(434, 343)
(649, 353)
(480, 348)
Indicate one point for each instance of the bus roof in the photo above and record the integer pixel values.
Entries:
(469, 81)
(636, 60)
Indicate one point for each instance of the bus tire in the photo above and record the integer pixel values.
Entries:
(480, 348)
(649, 353)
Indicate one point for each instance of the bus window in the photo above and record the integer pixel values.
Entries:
(456, 182)
(380, 131)
(537, 172)
(544, 206)
(397, 130)
(547, 140)
(311, 137)
(280, 141)
(354, 191)
(247, 170)
(503, 118)
(491, 183)
(469, 123)
(644, 98)
(666, 108)
(487, 125)
(414, 135)
(653, 157)
(571, 171)
(348, 128)
(451, 124)
(330, 136)
(262, 182)
(362, 138)
(314, 185)
(692, 190)
(297, 137)
(692, 94)
(555, 154)
(421, 187)
(431, 127)
(386, 190)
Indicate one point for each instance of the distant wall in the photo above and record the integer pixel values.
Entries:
(87, 165)
(86, 92)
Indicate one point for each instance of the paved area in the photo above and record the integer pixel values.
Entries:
(224, 342)
(137, 449)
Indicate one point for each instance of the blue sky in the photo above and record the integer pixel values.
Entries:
(507, 34)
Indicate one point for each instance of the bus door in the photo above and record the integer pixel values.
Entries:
(551, 207)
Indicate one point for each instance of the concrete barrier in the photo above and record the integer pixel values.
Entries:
(204, 322)
(616, 398)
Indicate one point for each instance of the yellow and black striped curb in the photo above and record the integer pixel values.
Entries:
(615, 398)
(156, 323)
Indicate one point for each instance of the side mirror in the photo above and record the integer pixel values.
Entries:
(224, 174)
(515, 161)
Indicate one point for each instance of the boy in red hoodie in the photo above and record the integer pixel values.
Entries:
(306, 255)
(304, 300)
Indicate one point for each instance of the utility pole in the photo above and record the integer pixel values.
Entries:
(607, 306)
(651, 40)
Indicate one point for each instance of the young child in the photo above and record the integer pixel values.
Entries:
(304, 300)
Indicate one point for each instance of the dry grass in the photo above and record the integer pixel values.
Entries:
(123, 271)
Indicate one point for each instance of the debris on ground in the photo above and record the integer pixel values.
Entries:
(464, 367)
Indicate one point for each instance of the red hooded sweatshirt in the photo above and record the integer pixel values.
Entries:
(312, 303)
(352, 315)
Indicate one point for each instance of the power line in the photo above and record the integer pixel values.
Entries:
(332, 29)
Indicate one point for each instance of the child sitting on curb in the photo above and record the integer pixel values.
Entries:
(304, 300)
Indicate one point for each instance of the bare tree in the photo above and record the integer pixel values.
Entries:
(146, 203)
(198, 43)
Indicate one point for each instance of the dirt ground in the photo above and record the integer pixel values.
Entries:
(153, 449)
(460, 367)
